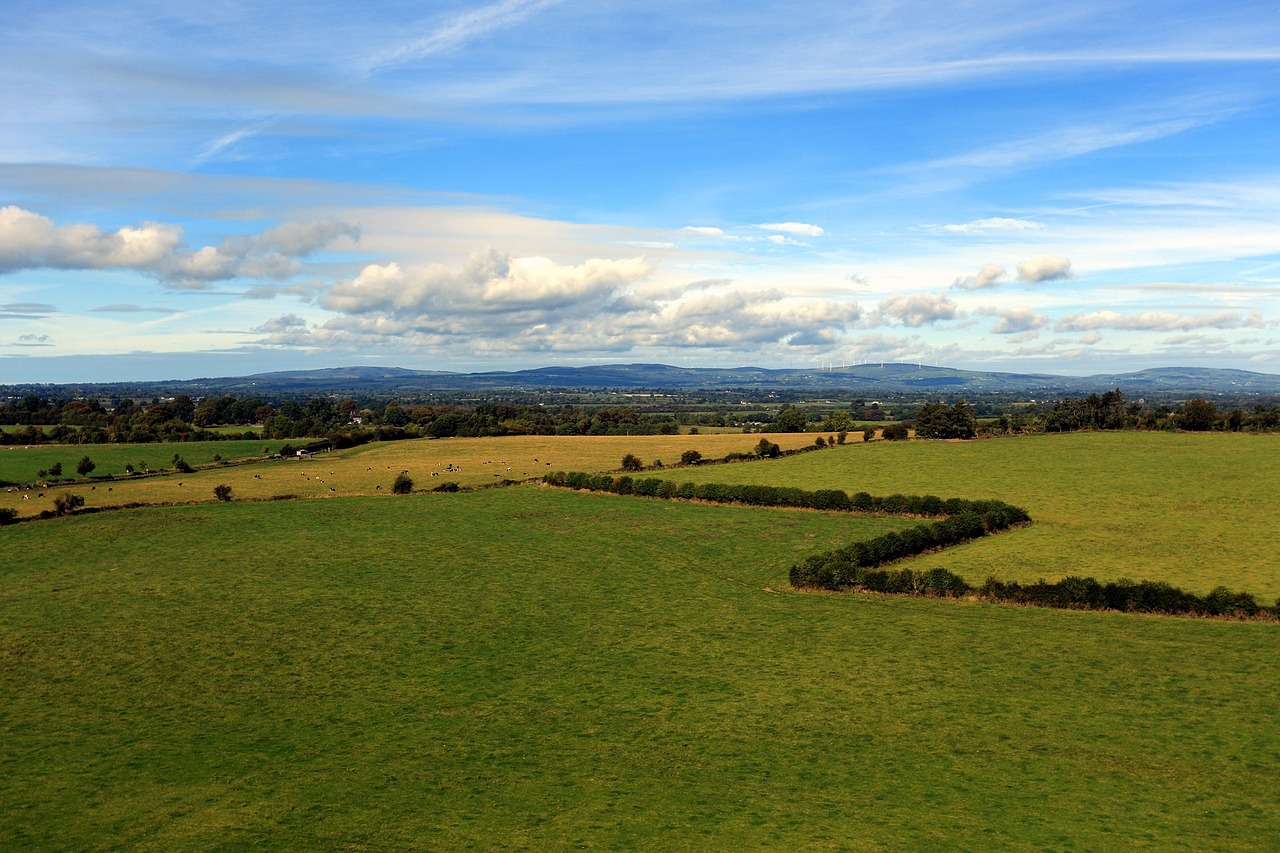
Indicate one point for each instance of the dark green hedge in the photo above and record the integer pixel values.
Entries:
(858, 566)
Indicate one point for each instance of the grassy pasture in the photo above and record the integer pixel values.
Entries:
(536, 668)
(366, 470)
(19, 464)
(1196, 510)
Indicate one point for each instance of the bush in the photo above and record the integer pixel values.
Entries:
(222, 492)
(631, 462)
(896, 432)
(445, 487)
(67, 504)
(181, 464)
(8, 515)
(690, 457)
(403, 485)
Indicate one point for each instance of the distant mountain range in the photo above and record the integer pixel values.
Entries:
(860, 379)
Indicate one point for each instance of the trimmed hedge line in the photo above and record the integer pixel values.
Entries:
(858, 566)
(961, 520)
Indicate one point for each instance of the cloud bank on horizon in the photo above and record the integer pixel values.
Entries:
(498, 185)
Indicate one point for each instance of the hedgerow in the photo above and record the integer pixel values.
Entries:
(858, 566)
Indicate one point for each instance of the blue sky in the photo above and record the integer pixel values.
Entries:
(214, 189)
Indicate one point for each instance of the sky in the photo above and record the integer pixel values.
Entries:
(215, 189)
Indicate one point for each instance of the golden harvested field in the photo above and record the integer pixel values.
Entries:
(371, 469)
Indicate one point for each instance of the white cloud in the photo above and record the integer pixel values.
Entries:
(283, 323)
(1091, 338)
(1159, 321)
(496, 304)
(449, 36)
(986, 226)
(1013, 321)
(31, 241)
(1044, 268)
(709, 231)
(797, 228)
(989, 275)
(917, 309)
(490, 283)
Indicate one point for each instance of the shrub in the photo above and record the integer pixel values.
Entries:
(67, 504)
(8, 515)
(896, 432)
(222, 492)
(403, 484)
(631, 462)
(446, 487)
(690, 457)
(181, 464)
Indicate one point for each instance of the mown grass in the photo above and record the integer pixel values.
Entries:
(535, 668)
(1195, 510)
(366, 470)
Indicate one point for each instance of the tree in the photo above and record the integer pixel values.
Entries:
(403, 484)
(631, 462)
(690, 457)
(790, 420)
(84, 466)
(55, 470)
(767, 449)
(936, 420)
(222, 492)
(1198, 415)
(838, 421)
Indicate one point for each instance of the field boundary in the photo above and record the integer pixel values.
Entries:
(858, 566)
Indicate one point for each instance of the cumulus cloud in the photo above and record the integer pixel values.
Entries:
(284, 322)
(1013, 321)
(1159, 321)
(489, 284)
(917, 309)
(989, 275)
(1044, 268)
(31, 241)
(495, 304)
(998, 223)
(802, 229)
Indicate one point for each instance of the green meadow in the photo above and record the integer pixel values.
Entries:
(542, 669)
(535, 668)
(19, 464)
(1194, 509)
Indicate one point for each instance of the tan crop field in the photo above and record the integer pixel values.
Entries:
(371, 468)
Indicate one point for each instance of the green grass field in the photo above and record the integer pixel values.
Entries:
(1195, 510)
(19, 464)
(542, 669)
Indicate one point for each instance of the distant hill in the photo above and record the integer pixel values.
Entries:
(863, 379)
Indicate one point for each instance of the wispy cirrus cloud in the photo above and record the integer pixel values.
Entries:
(453, 34)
